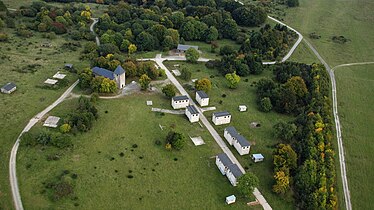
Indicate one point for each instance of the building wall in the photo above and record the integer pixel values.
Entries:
(220, 166)
(121, 81)
(180, 104)
(221, 120)
(202, 101)
(8, 92)
(192, 117)
(228, 137)
(241, 150)
(231, 178)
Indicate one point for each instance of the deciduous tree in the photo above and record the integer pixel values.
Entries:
(203, 84)
(246, 183)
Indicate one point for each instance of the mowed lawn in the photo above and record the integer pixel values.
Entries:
(185, 179)
(262, 137)
(352, 19)
(28, 100)
(355, 98)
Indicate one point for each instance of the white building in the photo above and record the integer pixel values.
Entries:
(257, 158)
(230, 199)
(9, 88)
(202, 98)
(242, 108)
(242, 145)
(223, 162)
(179, 102)
(233, 173)
(220, 118)
(119, 75)
(229, 134)
(192, 113)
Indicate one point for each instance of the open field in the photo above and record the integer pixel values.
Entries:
(262, 138)
(29, 99)
(357, 117)
(162, 179)
(352, 19)
(303, 54)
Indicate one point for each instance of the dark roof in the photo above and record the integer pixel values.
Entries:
(235, 170)
(186, 47)
(103, 72)
(69, 65)
(202, 94)
(9, 86)
(192, 109)
(221, 114)
(225, 159)
(180, 98)
(232, 131)
(119, 70)
(242, 141)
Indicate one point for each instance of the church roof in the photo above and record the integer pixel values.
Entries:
(119, 70)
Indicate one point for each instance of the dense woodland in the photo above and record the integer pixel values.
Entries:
(304, 162)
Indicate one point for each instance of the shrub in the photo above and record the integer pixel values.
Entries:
(169, 90)
(65, 128)
(3, 37)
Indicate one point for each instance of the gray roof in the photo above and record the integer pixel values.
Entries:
(180, 98)
(9, 86)
(186, 47)
(192, 109)
(232, 131)
(119, 70)
(221, 114)
(225, 159)
(242, 141)
(69, 65)
(103, 72)
(235, 170)
(202, 94)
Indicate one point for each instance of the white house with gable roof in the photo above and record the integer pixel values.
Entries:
(179, 102)
(192, 113)
(220, 118)
(202, 98)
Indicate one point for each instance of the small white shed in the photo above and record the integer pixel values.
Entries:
(202, 98)
(242, 108)
(192, 113)
(230, 199)
(220, 118)
(179, 102)
(257, 157)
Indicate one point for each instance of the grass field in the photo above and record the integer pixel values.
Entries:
(357, 117)
(186, 179)
(303, 54)
(261, 138)
(352, 19)
(19, 107)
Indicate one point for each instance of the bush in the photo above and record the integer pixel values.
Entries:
(265, 104)
(192, 55)
(226, 50)
(186, 74)
(175, 140)
(61, 141)
(169, 90)
(65, 128)
(3, 37)
(29, 139)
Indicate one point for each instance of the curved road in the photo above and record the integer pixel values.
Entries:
(95, 20)
(13, 155)
(343, 171)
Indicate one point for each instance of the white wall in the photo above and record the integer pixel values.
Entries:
(220, 166)
(241, 150)
(180, 104)
(202, 101)
(231, 178)
(192, 117)
(221, 120)
(228, 137)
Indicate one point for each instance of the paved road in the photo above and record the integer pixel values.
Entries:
(13, 155)
(352, 64)
(343, 171)
(95, 20)
(159, 60)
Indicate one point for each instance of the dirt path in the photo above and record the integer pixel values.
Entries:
(95, 20)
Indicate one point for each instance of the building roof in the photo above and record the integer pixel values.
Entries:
(50, 81)
(225, 159)
(221, 114)
(9, 86)
(103, 72)
(192, 109)
(235, 170)
(119, 70)
(202, 94)
(242, 141)
(180, 98)
(58, 75)
(51, 121)
(258, 156)
(186, 47)
(232, 131)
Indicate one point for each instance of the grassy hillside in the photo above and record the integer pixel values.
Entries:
(357, 117)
